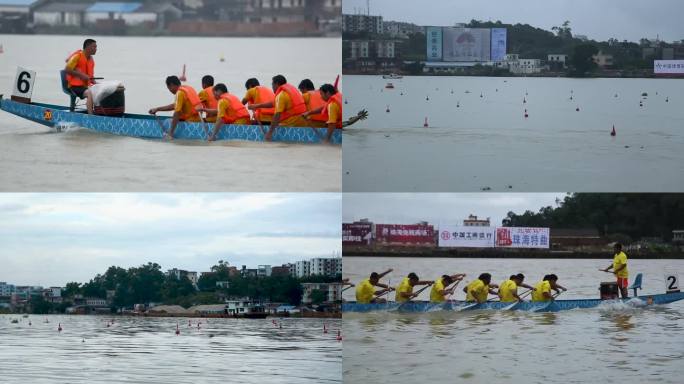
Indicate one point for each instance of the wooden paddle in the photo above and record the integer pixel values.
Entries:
(453, 290)
(415, 294)
(204, 125)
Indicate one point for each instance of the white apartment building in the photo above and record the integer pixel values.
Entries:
(362, 23)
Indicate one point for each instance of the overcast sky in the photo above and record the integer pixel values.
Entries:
(436, 208)
(51, 239)
(598, 19)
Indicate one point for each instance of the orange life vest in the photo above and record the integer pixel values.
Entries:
(337, 99)
(298, 105)
(236, 111)
(84, 65)
(316, 101)
(211, 102)
(264, 95)
(192, 97)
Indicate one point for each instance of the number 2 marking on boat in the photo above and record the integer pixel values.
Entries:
(47, 115)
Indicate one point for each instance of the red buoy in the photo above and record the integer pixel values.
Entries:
(425, 124)
(577, 109)
(524, 100)
(59, 327)
(387, 110)
(613, 133)
(325, 330)
(177, 330)
(339, 335)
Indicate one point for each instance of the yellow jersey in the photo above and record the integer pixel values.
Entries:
(183, 107)
(334, 113)
(404, 287)
(507, 290)
(205, 100)
(478, 291)
(435, 296)
(252, 97)
(364, 292)
(618, 260)
(541, 288)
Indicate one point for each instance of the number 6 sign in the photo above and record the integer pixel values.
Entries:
(671, 283)
(23, 85)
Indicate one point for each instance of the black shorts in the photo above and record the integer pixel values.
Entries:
(78, 91)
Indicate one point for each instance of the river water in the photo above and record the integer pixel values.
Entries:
(146, 350)
(34, 159)
(478, 143)
(610, 344)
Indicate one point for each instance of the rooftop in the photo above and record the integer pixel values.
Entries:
(65, 7)
(114, 7)
(18, 3)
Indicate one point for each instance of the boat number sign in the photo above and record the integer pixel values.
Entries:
(47, 115)
(671, 283)
(23, 83)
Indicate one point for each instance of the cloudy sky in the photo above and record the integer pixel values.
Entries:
(51, 239)
(436, 208)
(598, 19)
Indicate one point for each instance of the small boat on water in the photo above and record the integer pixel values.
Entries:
(389, 86)
(150, 127)
(546, 306)
(392, 76)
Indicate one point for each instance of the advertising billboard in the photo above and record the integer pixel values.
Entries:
(356, 233)
(466, 44)
(522, 237)
(499, 41)
(467, 237)
(434, 43)
(668, 67)
(414, 234)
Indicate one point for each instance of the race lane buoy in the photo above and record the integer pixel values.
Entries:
(613, 133)
(425, 124)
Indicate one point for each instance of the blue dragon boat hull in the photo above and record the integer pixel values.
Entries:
(146, 126)
(550, 306)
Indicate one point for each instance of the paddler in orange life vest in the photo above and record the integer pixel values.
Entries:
(260, 100)
(80, 71)
(230, 110)
(289, 106)
(185, 106)
(314, 101)
(206, 96)
(331, 111)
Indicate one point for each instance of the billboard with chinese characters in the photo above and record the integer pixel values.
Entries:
(668, 67)
(356, 233)
(522, 237)
(434, 43)
(414, 234)
(499, 42)
(466, 44)
(467, 237)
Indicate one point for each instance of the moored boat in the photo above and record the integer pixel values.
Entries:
(392, 76)
(389, 86)
(150, 127)
(549, 306)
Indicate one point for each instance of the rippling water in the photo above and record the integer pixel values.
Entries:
(611, 344)
(142, 350)
(487, 143)
(34, 159)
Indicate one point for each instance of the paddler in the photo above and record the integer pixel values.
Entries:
(257, 98)
(619, 268)
(508, 290)
(331, 111)
(542, 291)
(479, 289)
(405, 288)
(439, 289)
(289, 106)
(80, 72)
(365, 291)
(206, 96)
(314, 102)
(230, 110)
(185, 106)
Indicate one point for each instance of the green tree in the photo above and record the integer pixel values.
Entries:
(71, 289)
(582, 59)
(318, 296)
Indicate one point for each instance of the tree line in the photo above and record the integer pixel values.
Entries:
(634, 215)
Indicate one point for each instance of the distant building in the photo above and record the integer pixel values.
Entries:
(264, 270)
(16, 15)
(180, 273)
(557, 61)
(384, 49)
(6, 289)
(155, 15)
(575, 238)
(360, 49)
(223, 284)
(362, 23)
(333, 290)
(64, 13)
(401, 30)
(302, 268)
(325, 266)
(95, 302)
(602, 59)
(248, 272)
(528, 66)
(581, 37)
(677, 236)
(283, 270)
(473, 221)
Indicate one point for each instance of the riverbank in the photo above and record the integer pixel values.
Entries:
(646, 74)
(430, 252)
